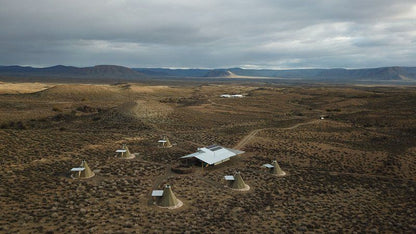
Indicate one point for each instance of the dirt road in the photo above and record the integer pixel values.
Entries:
(249, 136)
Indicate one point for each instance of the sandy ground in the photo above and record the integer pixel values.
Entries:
(16, 88)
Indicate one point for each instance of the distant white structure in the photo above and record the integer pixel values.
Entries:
(231, 96)
(213, 154)
(324, 117)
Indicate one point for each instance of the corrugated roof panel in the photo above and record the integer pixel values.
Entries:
(212, 157)
(191, 155)
(229, 177)
(213, 154)
(157, 193)
(77, 169)
(211, 146)
(235, 151)
(216, 148)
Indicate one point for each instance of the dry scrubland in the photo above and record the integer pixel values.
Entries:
(354, 171)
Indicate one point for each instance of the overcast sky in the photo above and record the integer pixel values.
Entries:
(209, 33)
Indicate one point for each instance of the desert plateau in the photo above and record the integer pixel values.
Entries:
(348, 153)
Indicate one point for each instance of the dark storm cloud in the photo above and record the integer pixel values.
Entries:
(196, 33)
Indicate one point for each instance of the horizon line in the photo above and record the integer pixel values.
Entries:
(205, 68)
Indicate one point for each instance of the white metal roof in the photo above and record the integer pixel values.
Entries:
(77, 169)
(268, 165)
(121, 151)
(161, 141)
(231, 95)
(229, 177)
(213, 154)
(157, 193)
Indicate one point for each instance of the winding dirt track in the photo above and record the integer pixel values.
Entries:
(250, 136)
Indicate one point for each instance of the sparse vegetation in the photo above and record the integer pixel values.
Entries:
(358, 163)
(56, 109)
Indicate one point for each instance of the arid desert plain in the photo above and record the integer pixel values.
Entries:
(353, 170)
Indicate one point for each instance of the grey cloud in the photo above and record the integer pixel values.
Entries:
(197, 33)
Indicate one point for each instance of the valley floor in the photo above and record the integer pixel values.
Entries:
(353, 171)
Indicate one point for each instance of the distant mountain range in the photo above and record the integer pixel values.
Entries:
(221, 73)
(382, 73)
(111, 72)
(60, 71)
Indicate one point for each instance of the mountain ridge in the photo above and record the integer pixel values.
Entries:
(381, 73)
(393, 73)
(61, 71)
(220, 73)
